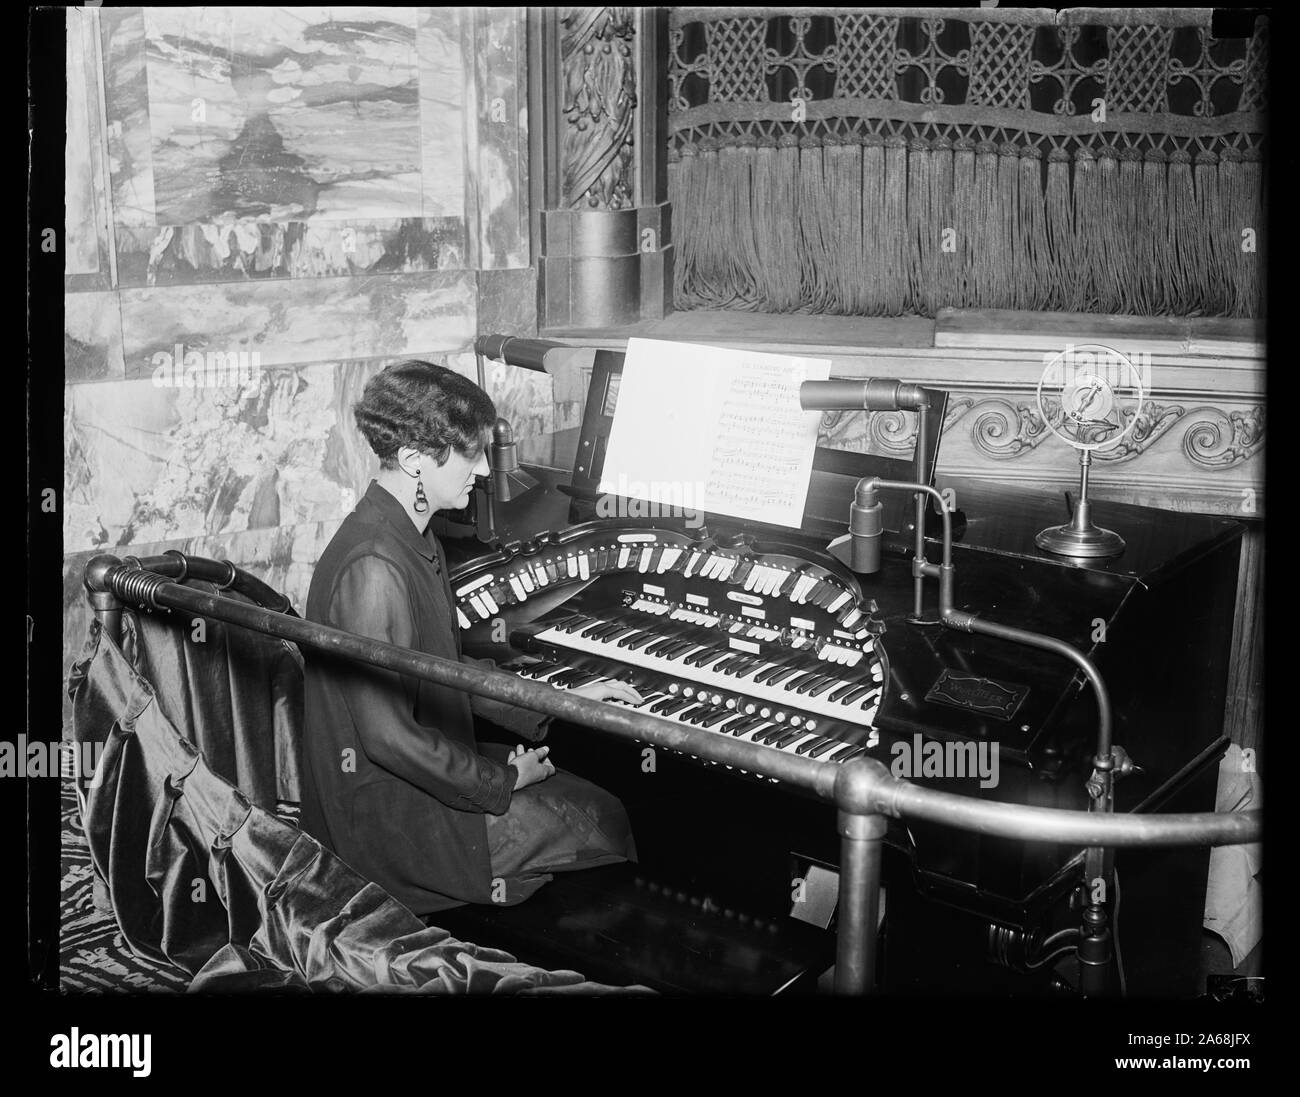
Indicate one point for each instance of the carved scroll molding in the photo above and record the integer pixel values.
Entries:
(1212, 438)
(1004, 429)
(599, 107)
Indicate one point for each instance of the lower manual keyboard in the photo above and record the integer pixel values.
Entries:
(779, 728)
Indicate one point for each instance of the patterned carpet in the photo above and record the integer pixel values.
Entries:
(93, 958)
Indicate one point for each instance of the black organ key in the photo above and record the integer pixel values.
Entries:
(697, 658)
(660, 645)
(855, 694)
(822, 686)
(804, 684)
(641, 639)
(818, 749)
(716, 717)
(552, 572)
(789, 737)
(742, 571)
(732, 726)
(843, 691)
(743, 665)
(784, 672)
(676, 706)
(655, 557)
(771, 735)
(812, 742)
(792, 659)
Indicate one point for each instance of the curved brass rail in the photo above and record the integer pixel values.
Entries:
(863, 790)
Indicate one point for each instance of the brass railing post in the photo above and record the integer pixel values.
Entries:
(861, 853)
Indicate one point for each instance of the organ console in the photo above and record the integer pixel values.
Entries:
(762, 634)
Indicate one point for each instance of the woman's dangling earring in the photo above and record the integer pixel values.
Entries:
(421, 500)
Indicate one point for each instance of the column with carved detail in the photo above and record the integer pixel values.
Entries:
(601, 225)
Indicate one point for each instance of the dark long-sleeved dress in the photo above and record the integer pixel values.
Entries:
(394, 780)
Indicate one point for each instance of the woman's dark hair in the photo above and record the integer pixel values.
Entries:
(431, 408)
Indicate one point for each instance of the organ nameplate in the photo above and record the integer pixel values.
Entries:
(750, 611)
(800, 622)
(744, 645)
(628, 538)
(698, 600)
(648, 588)
(482, 580)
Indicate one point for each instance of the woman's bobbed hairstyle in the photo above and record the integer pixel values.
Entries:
(428, 407)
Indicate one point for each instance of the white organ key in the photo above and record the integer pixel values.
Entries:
(643, 565)
(480, 606)
(624, 554)
(668, 559)
(527, 581)
(584, 567)
(693, 562)
(491, 604)
(855, 615)
(460, 616)
(539, 574)
(835, 605)
(518, 588)
(572, 565)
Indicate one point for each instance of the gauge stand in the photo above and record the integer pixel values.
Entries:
(1079, 537)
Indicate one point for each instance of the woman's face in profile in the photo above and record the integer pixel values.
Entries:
(449, 487)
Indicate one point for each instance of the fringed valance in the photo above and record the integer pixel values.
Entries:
(888, 161)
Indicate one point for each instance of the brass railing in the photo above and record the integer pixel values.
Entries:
(864, 791)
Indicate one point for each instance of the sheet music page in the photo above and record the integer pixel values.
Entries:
(713, 429)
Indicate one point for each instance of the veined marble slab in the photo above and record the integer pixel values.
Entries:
(498, 138)
(126, 103)
(92, 336)
(233, 249)
(442, 111)
(284, 112)
(301, 320)
(85, 232)
(146, 464)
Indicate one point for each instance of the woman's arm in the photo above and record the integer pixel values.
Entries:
(371, 599)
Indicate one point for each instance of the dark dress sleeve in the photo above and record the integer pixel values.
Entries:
(371, 599)
(522, 721)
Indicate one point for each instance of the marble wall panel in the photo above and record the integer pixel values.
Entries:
(300, 320)
(85, 244)
(145, 464)
(248, 248)
(92, 337)
(498, 139)
(442, 111)
(126, 104)
(507, 302)
(285, 113)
